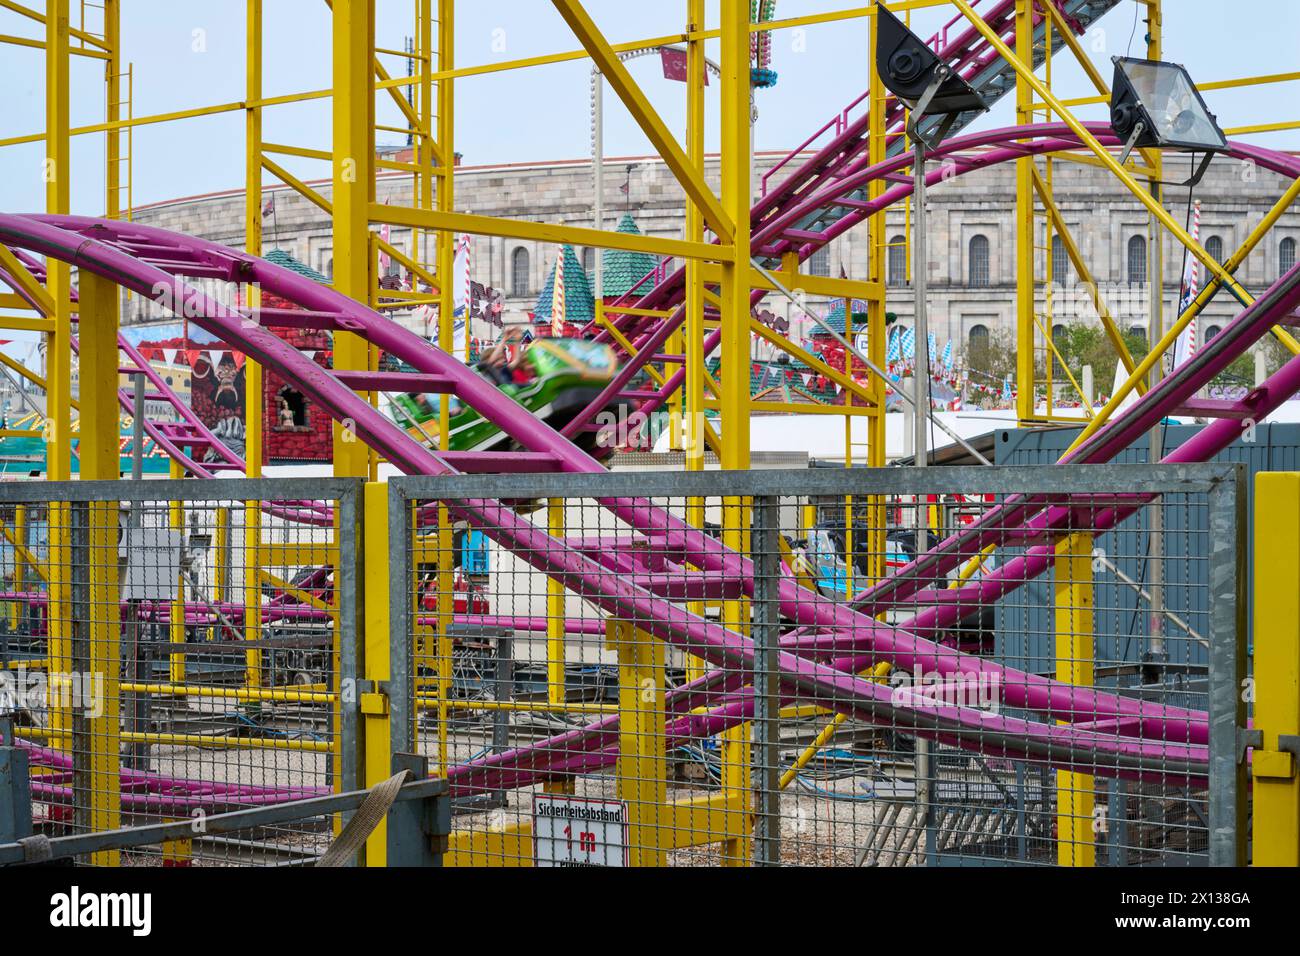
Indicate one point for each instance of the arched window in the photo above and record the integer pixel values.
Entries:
(1211, 331)
(1060, 263)
(819, 264)
(896, 261)
(1058, 333)
(588, 259)
(329, 268)
(1137, 260)
(1285, 255)
(519, 284)
(1214, 246)
(979, 260)
(978, 339)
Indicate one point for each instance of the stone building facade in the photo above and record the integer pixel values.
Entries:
(972, 267)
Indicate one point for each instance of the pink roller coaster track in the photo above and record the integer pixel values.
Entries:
(832, 641)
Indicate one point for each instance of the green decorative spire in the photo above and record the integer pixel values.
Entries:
(579, 303)
(622, 269)
(281, 258)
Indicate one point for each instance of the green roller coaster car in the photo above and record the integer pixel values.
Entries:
(567, 375)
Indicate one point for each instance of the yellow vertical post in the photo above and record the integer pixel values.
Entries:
(556, 693)
(377, 665)
(354, 189)
(446, 202)
(58, 178)
(113, 110)
(221, 565)
(100, 459)
(1024, 50)
(253, 423)
(176, 618)
(20, 563)
(735, 399)
(1277, 669)
(693, 338)
(1073, 595)
(58, 350)
(877, 237)
(642, 767)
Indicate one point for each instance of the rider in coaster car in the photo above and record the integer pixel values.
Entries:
(499, 366)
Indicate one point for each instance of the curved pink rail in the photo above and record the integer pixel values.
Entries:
(1171, 736)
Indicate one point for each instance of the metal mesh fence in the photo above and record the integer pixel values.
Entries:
(721, 668)
(174, 650)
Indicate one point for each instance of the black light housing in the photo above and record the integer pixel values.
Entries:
(1162, 98)
(908, 67)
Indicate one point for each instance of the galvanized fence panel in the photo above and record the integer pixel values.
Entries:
(172, 650)
(602, 684)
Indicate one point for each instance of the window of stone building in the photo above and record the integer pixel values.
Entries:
(977, 339)
(896, 261)
(1214, 246)
(1137, 260)
(1060, 263)
(1140, 331)
(978, 267)
(588, 259)
(1285, 255)
(519, 284)
(290, 410)
(1211, 331)
(819, 263)
(329, 268)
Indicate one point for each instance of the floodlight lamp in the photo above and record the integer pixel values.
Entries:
(1156, 104)
(915, 74)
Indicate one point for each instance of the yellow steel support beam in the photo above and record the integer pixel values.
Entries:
(794, 280)
(541, 232)
(253, 426)
(1073, 595)
(100, 459)
(734, 287)
(722, 221)
(58, 181)
(376, 660)
(353, 194)
(113, 110)
(251, 532)
(58, 351)
(641, 772)
(1025, 239)
(31, 288)
(556, 690)
(1277, 669)
(297, 185)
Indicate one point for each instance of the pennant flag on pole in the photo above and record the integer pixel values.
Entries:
(384, 259)
(1187, 343)
(909, 343)
(557, 298)
(460, 276)
(893, 351)
(932, 345)
(947, 355)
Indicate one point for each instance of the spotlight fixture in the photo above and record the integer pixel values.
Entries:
(915, 74)
(1156, 105)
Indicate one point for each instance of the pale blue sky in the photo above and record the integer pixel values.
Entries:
(542, 113)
